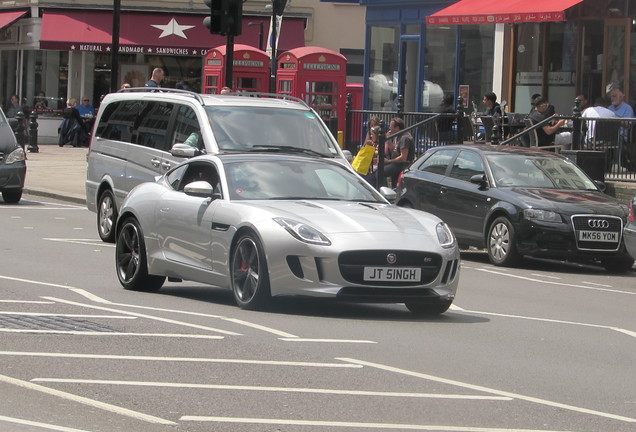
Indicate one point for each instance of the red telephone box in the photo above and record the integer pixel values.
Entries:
(319, 77)
(250, 71)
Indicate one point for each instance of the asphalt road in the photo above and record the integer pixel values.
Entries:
(547, 347)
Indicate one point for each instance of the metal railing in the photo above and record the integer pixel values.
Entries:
(614, 137)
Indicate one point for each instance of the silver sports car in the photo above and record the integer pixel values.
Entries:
(267, 225)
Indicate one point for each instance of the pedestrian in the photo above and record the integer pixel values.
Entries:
(493, 108)
(226, 90)
(401, 151)
(14, 106)
(85, 109)
(546, 135)
(125, 86)
(155, 78)
(624, 110)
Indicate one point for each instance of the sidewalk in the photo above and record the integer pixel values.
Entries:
(57, 172)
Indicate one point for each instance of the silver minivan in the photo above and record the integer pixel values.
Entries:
(141, 133)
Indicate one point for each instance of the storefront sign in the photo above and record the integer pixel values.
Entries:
(554, 78)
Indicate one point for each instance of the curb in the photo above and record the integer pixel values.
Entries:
(58, 196)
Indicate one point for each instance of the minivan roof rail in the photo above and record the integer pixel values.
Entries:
(272, 95)
(195, 95)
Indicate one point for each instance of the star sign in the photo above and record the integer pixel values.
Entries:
(173, 28)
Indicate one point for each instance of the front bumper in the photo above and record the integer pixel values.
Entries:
(12, 176)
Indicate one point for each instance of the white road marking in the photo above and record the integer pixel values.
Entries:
(107, 333)
(272, 389)
(489, 390)
(556, 283)
(100, 300)
(597, 284)
(545, 276)
(334, 424)
(220, 317)
(89, 242)
(550, 320)
(89, 295)
(297, 339)
(347, 365)
(34, 282)
(456, 308)
(38, 424)
(27, 301)
(151, 317)
(44, 314)
(259, 327)
(86, 401)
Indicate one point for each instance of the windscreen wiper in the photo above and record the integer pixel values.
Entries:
(290, 149)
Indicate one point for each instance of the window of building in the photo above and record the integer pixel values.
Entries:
(383, 65)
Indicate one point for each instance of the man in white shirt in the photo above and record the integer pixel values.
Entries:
(599, 110)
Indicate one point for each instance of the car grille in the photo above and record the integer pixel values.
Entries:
(597, 232)
(352, 265)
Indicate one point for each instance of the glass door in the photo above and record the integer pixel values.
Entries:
(408, 72)
(615, 68)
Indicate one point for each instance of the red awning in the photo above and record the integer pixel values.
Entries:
(152, 33)
(9, 17)
(501, 11)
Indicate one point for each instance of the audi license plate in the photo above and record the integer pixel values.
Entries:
(393, 274)
(598, 236)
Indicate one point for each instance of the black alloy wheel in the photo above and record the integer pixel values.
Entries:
(249, 274)
(131, 261)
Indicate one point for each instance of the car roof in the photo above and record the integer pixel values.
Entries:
(499, 149)
(246, 99)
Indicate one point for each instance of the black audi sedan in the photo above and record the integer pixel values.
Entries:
(516, 202)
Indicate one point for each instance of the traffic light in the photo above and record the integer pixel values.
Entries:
(225, 17)
(279, 6)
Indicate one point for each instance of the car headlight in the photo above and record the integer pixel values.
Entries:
(444, 235)
(16, 155)
(541, 215)
(303, 232)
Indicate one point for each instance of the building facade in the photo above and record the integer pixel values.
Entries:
(516, 48)
(63, 50)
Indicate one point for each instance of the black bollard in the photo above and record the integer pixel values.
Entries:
(19, 130)
(577, 136)
(380, 180)
(494, 138)
(33, 133)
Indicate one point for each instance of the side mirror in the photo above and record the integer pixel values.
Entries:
(601, 185)
(388, 193)
(200, 189)
(479, 179)
(184, 150)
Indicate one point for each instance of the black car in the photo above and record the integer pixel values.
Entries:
(518, 202)
(12, 163)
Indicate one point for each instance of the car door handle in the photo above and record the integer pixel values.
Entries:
(165, 165)
(442, 190)
(155, 162)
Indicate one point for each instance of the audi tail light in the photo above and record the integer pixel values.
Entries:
(631, 212)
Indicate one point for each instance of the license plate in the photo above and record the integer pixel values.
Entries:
(598, 236)
(395, 274)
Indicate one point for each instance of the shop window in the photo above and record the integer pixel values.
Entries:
(439, 65)
(383, 65)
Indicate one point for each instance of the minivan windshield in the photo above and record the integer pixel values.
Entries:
(270, 129)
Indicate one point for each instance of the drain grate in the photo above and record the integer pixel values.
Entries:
(50, 323)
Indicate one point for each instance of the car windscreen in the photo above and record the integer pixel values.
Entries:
(270, 129)
(519, 170)
(296, 179)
